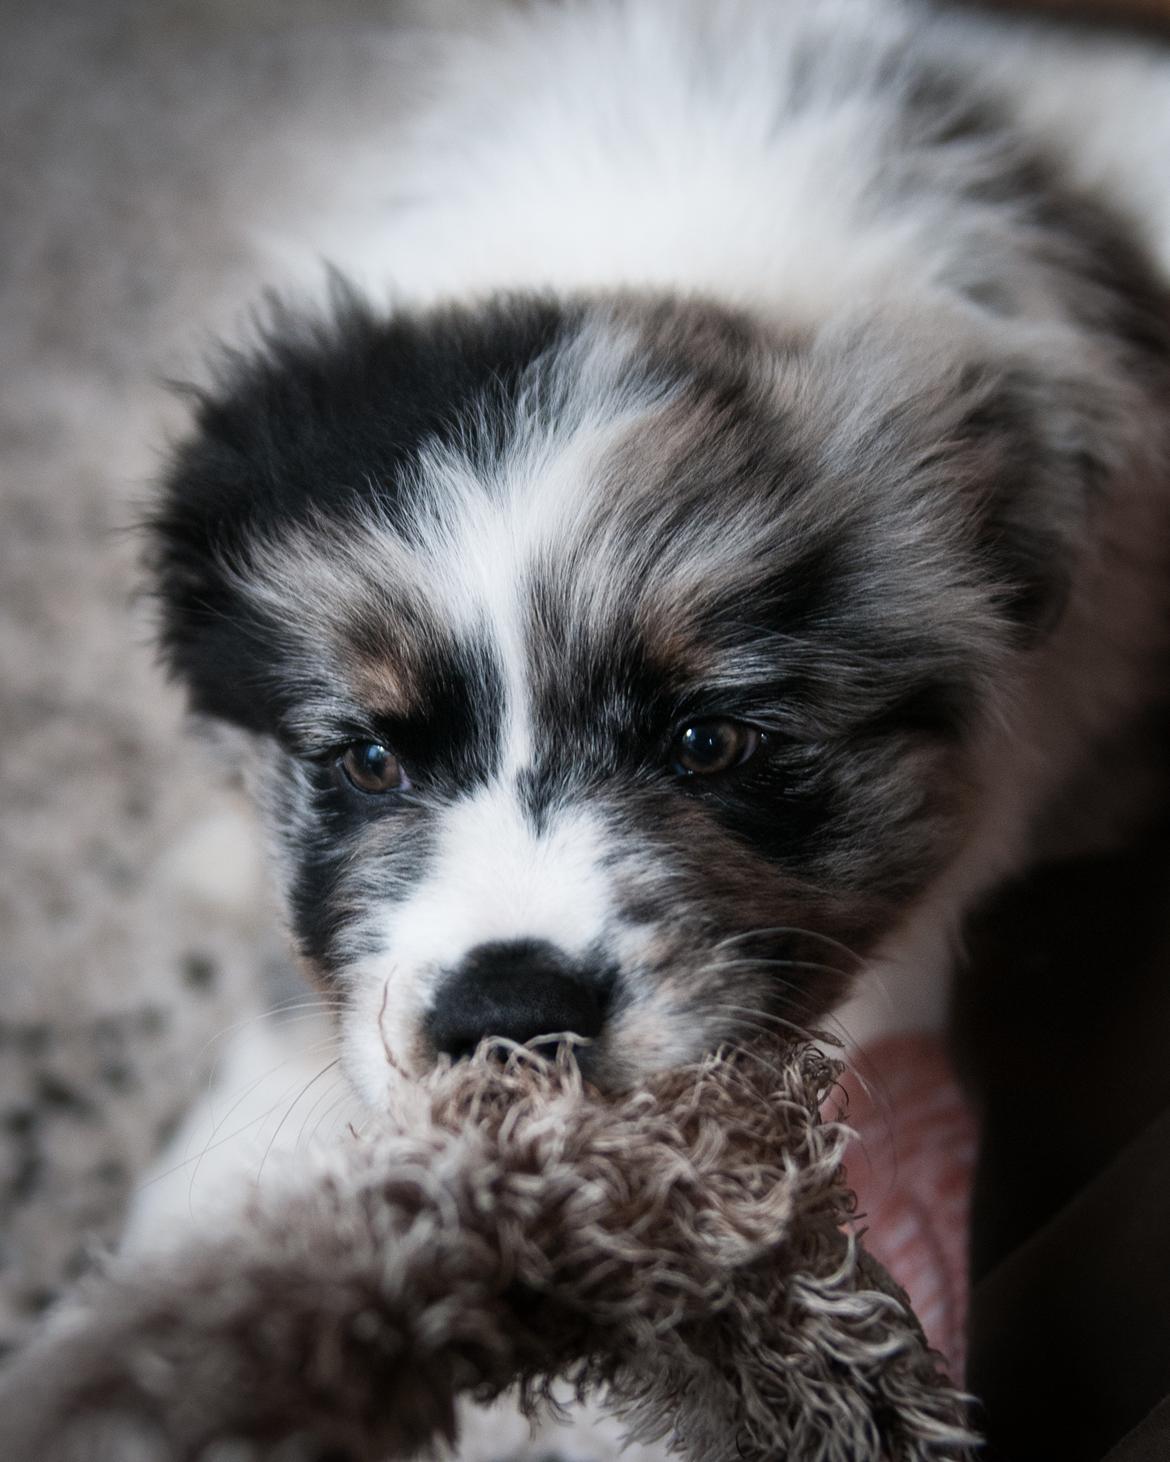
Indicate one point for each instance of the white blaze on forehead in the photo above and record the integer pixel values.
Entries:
(482, 531)
(476, 536)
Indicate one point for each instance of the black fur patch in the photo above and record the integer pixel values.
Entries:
(326, 417)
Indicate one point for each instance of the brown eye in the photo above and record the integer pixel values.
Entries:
(371, 767)
(717, 745)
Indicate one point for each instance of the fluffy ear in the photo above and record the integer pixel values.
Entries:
(321, 423)
(1039, 456)
(313, 424)
(198, 543)
(266, 451)
(1075, 418)
(1026, 452)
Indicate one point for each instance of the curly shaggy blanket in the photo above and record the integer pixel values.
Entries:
(685, 1249)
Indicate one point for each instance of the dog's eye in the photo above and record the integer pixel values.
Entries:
(371, 767)
(716, 745)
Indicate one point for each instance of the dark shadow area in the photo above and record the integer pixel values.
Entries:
(1062, 1021)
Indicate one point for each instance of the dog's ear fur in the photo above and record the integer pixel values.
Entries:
(1052, 446)
(319, 422)
(1039, 470)
(1008, 458)
(198, 542)
(257, 459)
(1067, 426)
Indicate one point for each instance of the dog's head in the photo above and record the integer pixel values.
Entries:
(612, 666)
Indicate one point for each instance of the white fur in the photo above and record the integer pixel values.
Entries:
(585, 146)
(578, 146)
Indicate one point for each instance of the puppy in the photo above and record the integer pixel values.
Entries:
(742, 537)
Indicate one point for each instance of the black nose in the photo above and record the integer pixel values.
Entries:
(521, 990)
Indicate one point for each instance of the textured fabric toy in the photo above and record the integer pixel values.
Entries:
(685, 1248)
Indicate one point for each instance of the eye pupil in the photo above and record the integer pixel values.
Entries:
(711, 746)
(704, 744)
(371, 767)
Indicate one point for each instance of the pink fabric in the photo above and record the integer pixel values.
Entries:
(911, 1166)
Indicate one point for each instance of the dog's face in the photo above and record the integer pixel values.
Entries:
(612, 667)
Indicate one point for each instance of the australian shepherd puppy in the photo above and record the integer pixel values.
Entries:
(736, 549)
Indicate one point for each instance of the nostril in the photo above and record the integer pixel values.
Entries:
(520, 991)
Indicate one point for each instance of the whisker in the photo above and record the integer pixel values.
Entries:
(247, 1091)
(291, 1108)
(760, 1021)
(330, 1091)
(794, 929)
(294, 1003)
(342, 1096)
(284, 1013)
(390, 1061)
(211, 1145)
(748, 961)
(829, 1028)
